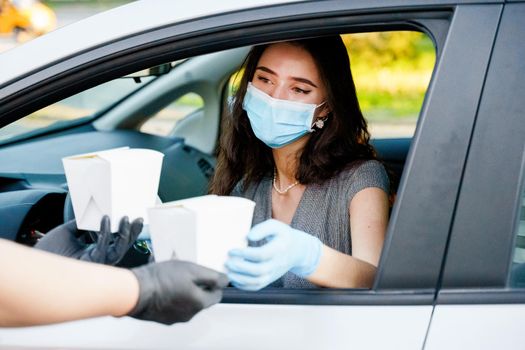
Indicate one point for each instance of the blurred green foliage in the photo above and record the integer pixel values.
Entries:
(391, 71)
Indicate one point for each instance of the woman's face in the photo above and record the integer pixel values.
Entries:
(288, 72)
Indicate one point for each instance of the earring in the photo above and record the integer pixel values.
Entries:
(319, 123)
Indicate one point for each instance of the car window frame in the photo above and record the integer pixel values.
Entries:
(483, 235)
(298, 20)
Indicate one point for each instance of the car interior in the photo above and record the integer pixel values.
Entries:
(33, 188)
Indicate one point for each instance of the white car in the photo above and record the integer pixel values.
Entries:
(450, 275)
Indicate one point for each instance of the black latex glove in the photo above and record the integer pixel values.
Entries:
(174, 291)
(108, 249)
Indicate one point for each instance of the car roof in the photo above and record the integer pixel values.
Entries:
(119, 22)
(141, 16)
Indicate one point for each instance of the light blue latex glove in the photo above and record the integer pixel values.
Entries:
(287, 249)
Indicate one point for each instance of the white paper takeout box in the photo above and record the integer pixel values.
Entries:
(200, 229)
(115, 182)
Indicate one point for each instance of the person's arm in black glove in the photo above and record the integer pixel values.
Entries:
(168, 292)
(108, 249)
(174, 291)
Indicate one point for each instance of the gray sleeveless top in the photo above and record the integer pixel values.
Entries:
(323, 210)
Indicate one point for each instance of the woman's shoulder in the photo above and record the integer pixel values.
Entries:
(361, 174)
(361, 168)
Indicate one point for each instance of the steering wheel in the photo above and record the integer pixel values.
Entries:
(68, 208)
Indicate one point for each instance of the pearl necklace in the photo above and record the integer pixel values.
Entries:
(279, 190)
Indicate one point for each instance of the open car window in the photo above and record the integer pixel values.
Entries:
(391, 70)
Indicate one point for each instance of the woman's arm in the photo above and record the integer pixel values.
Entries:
(39, 288)
(368, 222)
(289, 249)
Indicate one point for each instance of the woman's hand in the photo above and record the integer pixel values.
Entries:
(287, 249)
(109, 248)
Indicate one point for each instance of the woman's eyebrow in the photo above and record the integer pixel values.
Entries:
(301, 80)
(266, 69)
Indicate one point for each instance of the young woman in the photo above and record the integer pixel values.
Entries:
(297, 144)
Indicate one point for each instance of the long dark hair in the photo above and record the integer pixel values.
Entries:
(343, 140)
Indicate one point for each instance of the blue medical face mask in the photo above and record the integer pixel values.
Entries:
(277, 122)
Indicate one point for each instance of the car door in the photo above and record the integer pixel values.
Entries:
(478, 305)
(396, 312)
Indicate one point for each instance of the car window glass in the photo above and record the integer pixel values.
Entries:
(391, 71)
(518, 260)
(82, 106)
(163, 122)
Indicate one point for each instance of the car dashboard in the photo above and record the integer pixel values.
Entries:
(33, 187)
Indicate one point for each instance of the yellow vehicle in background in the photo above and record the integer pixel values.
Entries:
(25, 19)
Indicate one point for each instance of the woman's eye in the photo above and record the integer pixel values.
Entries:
(301, 91)
(263, 79)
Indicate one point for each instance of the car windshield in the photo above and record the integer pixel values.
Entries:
(73, 110)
